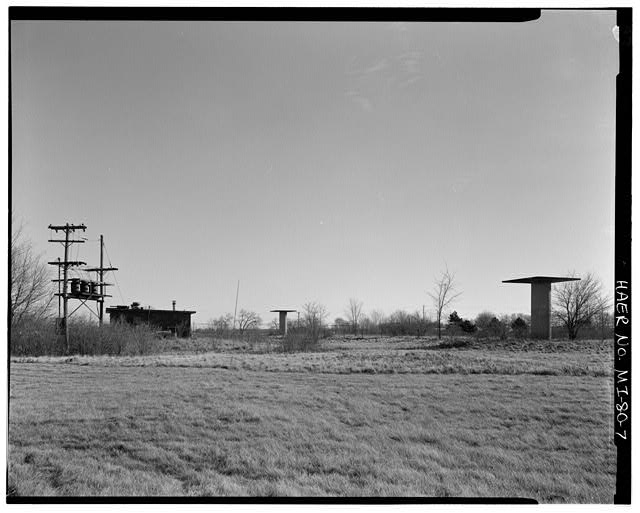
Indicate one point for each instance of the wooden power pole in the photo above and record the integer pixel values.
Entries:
(101, 277)
(65, 264)
(100, 272)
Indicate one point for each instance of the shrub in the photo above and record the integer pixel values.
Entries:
(255, 338)
(467, 326)
(519, 327)
(35, 338)
(490, 326)
(222, 326)
(401, 323)
(451, 344)
(483, 320)
(41, 338)
(453, 326)
(497, 328)
(299, 341)
(113, 339)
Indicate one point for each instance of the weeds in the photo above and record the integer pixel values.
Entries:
(451, 343)
(42, 338)
(300, 341)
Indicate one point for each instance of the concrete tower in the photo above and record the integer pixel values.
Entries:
(283, 320)
(541, 303)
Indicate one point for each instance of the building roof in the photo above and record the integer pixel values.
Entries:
(115, 309)
(541, 279)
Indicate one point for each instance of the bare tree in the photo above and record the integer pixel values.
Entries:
(365, 325)
(314, 316)
(443, 294)
(421, 321)
(376, 317)
(341, 326)
(248, 320)
(353, 313)
(398, 323)
(222, 325)
(579, 303)
(604, 323)
(30, 281)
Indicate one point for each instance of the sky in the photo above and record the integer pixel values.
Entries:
(319, 161)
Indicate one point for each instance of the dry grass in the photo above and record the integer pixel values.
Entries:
(371, 359)
(183, 425)
(39, 338)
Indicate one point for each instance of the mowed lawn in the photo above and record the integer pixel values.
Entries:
(195, 431)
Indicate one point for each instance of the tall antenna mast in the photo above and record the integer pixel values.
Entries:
(235, 311)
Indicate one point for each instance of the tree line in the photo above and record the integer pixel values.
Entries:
(577, 305)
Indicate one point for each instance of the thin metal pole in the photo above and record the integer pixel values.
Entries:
(235, 311)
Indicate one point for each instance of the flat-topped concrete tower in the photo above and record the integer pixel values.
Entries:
(283, 320)
(541, 302)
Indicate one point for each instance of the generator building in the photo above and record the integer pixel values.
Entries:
(175, 321)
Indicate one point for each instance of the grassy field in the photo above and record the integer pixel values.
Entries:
(358, 418)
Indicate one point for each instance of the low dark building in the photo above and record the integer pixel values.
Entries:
(177, 322)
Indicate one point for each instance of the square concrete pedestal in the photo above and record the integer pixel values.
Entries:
(541, 303)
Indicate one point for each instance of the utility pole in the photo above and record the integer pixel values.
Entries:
(65, 264)
(99, 298)
(101, 276)
(58, 287)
